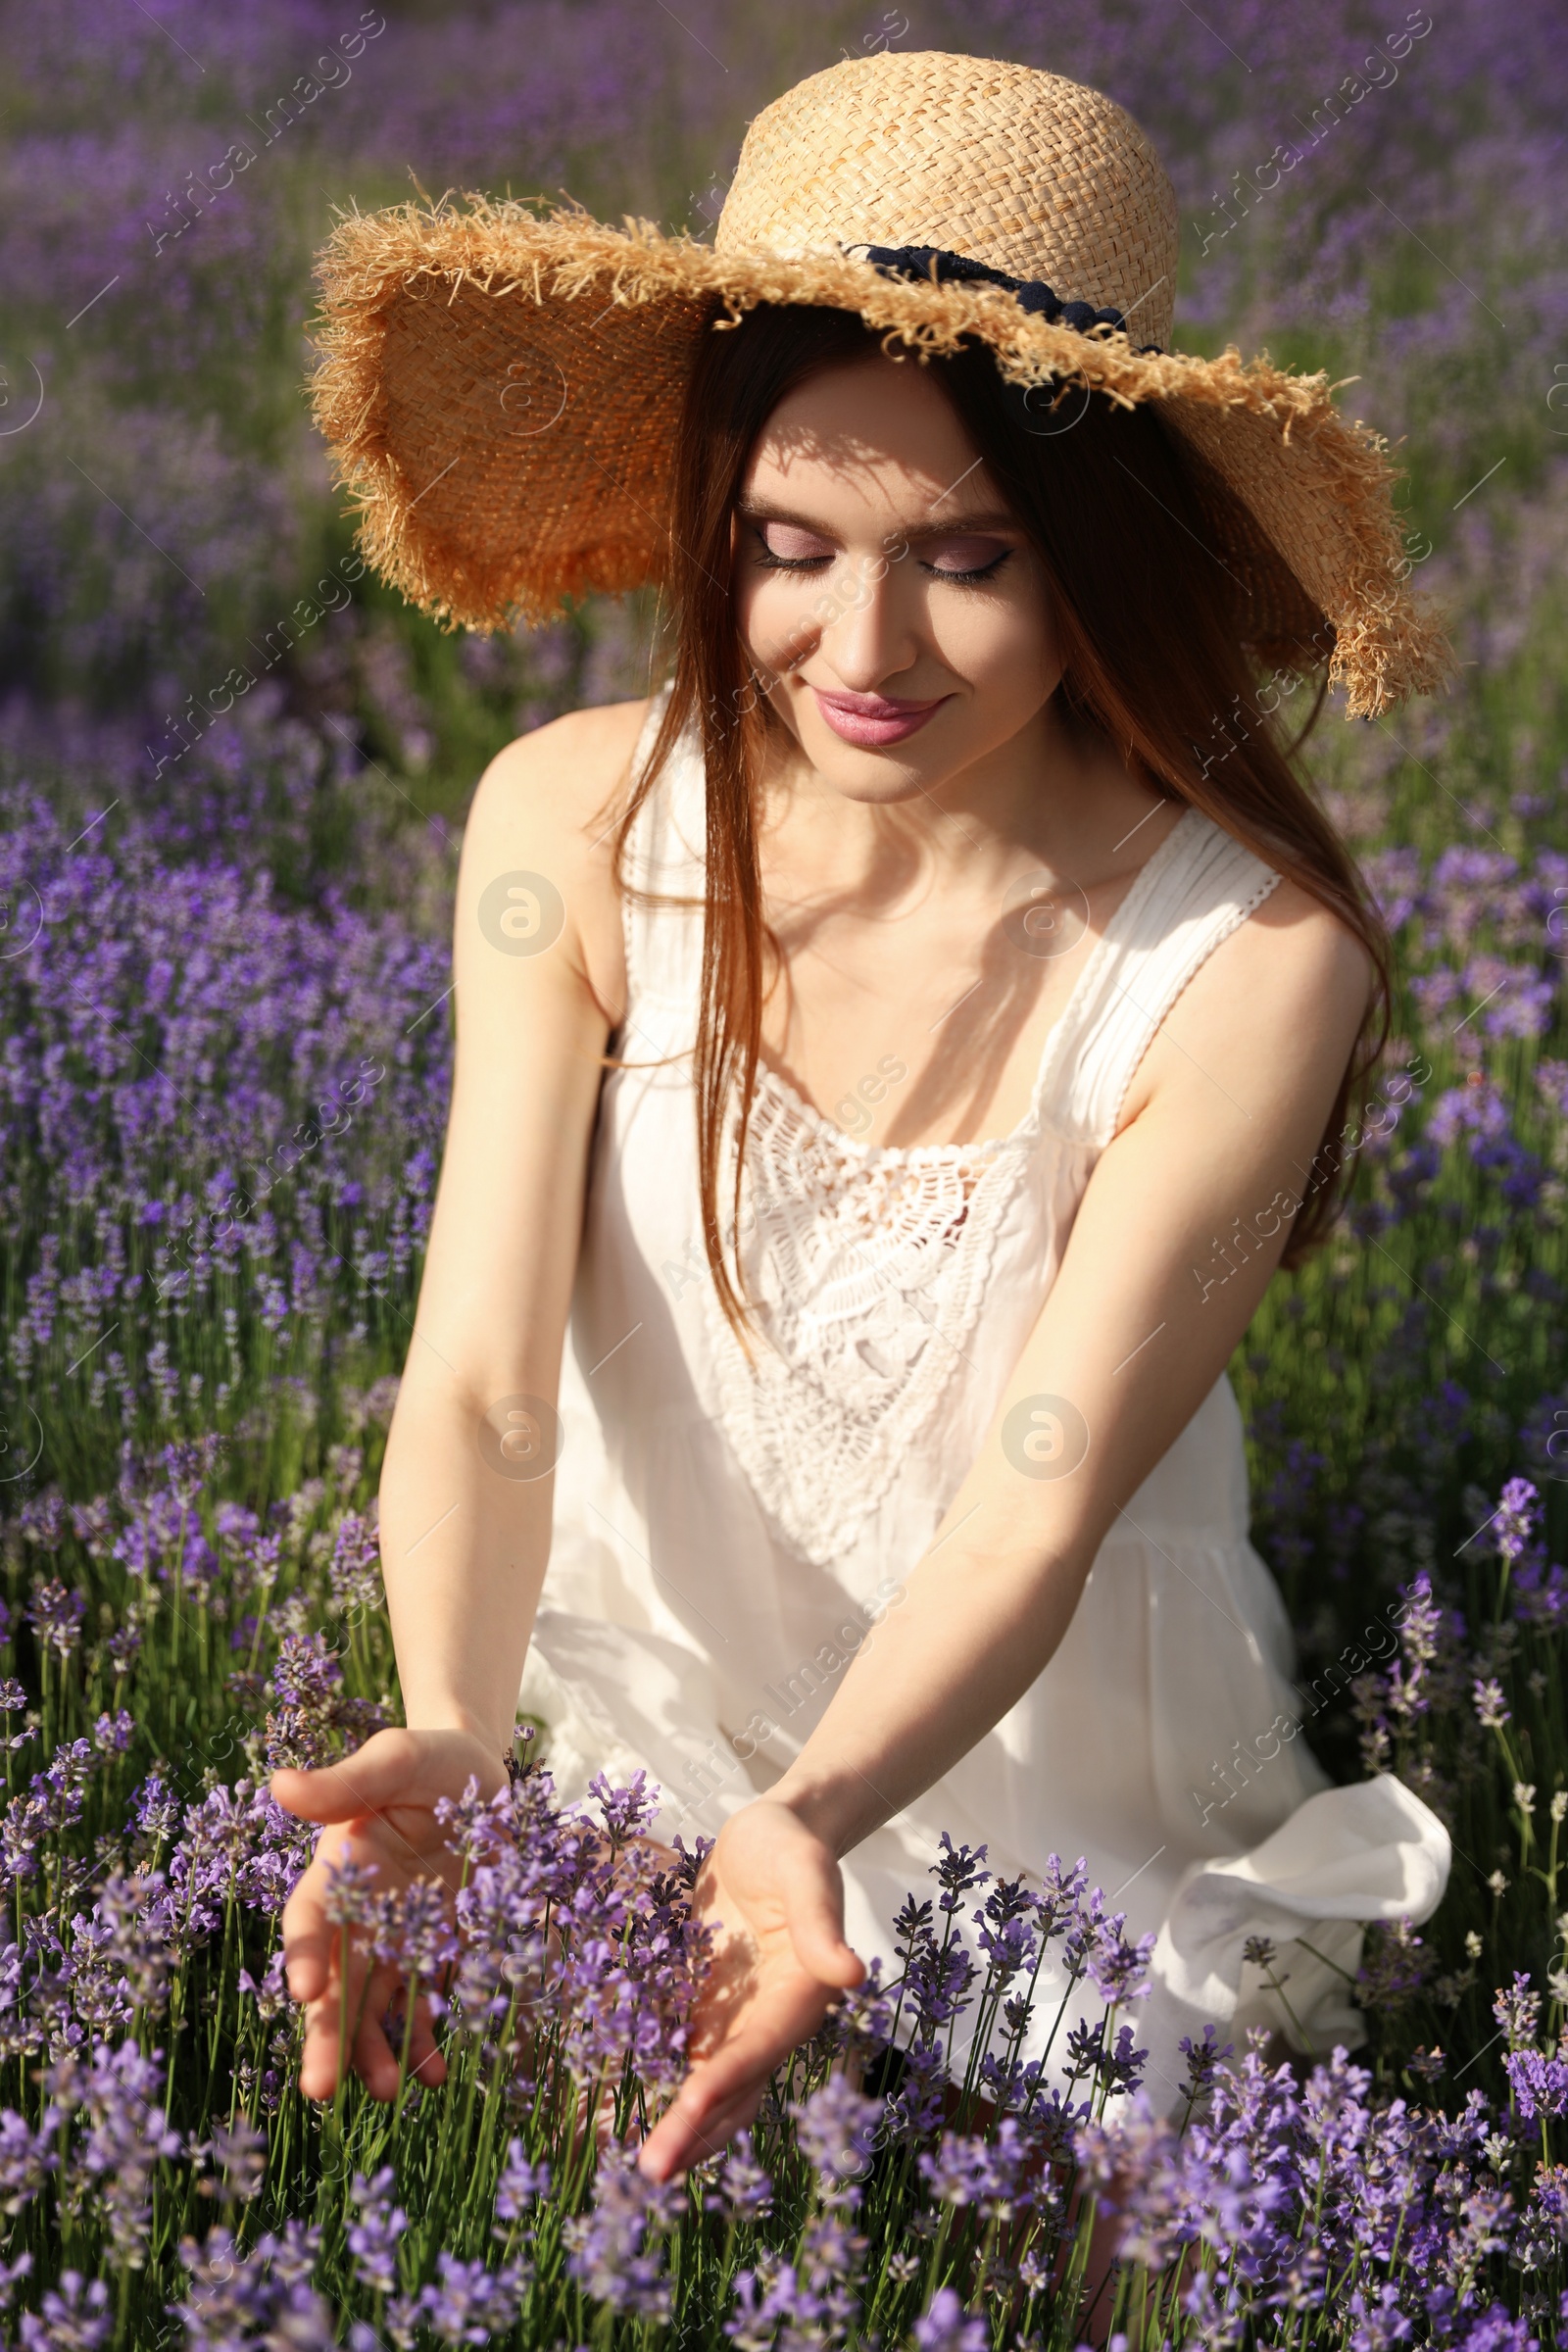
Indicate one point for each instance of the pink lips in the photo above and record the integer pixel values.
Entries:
(872, 720)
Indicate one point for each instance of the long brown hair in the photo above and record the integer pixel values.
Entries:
(1163, 643)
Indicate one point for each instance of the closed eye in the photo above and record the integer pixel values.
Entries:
(787, 546)
(966, 558)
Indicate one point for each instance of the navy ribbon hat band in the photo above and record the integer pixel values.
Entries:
(930, 262)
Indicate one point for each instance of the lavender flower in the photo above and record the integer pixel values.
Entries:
(123, 1647)
(1516, 1519)
(374, 2238)
(1517, 2009)
(744, 2189)
(775, 2305)
(993, 2173)
(355, 1574)
(611, 2250)
(1490, 1706)
(837, 2127)
(957, 1870)
(56, 1616)
(351, 1891)
(27, 2158)
(76, 2317)
(238, 2154)
(468, 2304)
(311, 1706)
(236, 2299)
(120, 2097)
(627, 1812)
(1540, 2083)
(948, 2328)
(413, 1926)
(1202, 2059)
(522, 2185)
(52, 1804)
(119, 1963)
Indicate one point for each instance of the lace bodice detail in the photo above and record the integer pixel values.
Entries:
(870, 1265)
(869, 1271)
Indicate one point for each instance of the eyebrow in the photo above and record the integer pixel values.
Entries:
(990, 519)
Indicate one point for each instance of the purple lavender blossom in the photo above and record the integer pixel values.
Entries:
(613, 2249)
(237, 2156)
(994, 2173)
(119, 2095)
(1539, 2083)
(468, 2303)
(76, 2317)
(27, 2158)
(234, 2298)
(837, 2127)
(56, 1615)
(521, 2183)
(373, 2237)
(948, 2328)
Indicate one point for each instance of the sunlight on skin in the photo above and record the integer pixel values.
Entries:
(935, 594)
(770, 1889)
(864, 495)
(773, 1894)
(875, 565)
(377, 1811)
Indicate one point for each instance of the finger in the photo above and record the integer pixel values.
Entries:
(426, 2062)
(308, 1938)
(374, 2060)
(814, 1908)
(817, 1932)
(331, 2021)
(307, 1963)
(322, 2060)
(666, 2154)
(734, 2075)
(678, 2143)
(379, 1772)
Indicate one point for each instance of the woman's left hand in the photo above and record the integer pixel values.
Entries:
(773, 1893)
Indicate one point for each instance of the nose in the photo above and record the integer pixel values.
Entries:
(871, 636)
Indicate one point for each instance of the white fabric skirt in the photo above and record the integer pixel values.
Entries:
(1164, 1744)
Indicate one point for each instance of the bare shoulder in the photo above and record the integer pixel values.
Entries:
(578, 752)
(1293, 943)
(562, 779)
(546, 806)
(1279, 1002)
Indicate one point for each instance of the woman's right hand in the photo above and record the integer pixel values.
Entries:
(379, 1809)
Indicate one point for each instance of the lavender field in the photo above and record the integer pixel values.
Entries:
(234, 773)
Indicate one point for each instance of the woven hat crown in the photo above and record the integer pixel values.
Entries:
(1020, 170)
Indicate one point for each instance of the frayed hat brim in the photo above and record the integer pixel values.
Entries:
(501, 393)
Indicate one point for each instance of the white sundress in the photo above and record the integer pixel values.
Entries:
(723, 1536)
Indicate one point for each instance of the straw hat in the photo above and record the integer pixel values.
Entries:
(501, 391)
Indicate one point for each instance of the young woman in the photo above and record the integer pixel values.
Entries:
(903, 1050)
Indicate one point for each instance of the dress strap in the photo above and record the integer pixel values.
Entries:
(1195, 890)
(665, 853)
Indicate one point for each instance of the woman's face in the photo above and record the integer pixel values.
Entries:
(897, 610)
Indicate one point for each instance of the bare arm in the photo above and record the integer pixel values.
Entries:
(1130, 1340)
(1235, 1093)
(465, 1490)
(466, 1487)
